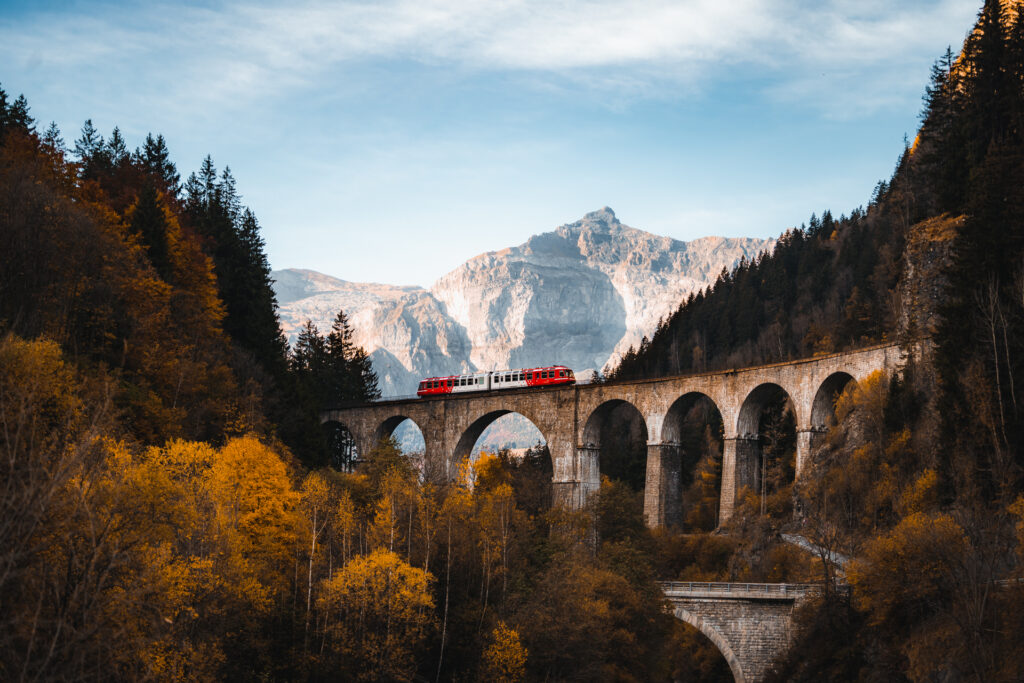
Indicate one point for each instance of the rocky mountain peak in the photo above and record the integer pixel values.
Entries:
(578, 295)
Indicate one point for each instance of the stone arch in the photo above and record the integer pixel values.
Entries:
(470, 435)
(595, 443)
(597, 418)
(747, 424)
(342, 445)
(681, 451)
(672, 426)
(715, 637)
(752, 462)
(386, 428)
(823, 408)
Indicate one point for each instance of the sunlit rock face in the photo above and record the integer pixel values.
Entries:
(406, 331)
(578, 296)
(582, 294)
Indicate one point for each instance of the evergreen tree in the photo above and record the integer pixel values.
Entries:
(14, 115)
(243, 272)
(19, 116)
(53, 139)
(351, 373)
(156, 159)
(92, 152)
(117, 150)
(148, 221)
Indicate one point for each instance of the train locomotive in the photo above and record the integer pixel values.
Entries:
(496, 381)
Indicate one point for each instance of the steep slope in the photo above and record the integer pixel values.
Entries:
(583, 293)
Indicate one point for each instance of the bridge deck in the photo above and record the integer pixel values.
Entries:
(739, 591)
(618, 383)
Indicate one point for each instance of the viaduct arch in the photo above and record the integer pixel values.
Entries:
(751, 624)
(569, 417)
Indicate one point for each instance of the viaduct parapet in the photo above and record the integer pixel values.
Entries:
(573, 418)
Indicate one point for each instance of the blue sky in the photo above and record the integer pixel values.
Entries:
(390, 141)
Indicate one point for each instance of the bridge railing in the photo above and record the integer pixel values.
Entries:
(729, 588)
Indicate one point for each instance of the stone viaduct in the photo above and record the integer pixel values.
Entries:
(750, 623)
(572, 419)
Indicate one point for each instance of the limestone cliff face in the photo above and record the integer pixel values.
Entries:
(578, 296)
(406, 331)
(581, 294)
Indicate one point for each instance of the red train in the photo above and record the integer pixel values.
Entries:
(495, 381)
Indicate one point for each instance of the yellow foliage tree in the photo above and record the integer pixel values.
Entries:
(380, 611)
(505, 657)
(254, 495)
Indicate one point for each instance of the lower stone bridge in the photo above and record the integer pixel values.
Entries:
(751, 624)
(574, 420)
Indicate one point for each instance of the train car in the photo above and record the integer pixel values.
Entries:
(454, 384)
(497, 380)
(531, 377)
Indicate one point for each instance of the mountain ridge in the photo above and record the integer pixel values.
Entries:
(579, 295)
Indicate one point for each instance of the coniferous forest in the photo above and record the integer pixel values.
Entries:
(172, 509)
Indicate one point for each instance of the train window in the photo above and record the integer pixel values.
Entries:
(561, 373)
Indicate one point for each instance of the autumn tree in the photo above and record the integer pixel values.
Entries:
(505, 657)
(381, 613)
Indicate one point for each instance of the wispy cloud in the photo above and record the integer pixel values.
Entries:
(232, 53)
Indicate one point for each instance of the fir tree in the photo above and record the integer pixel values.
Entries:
(243, 272)
(53, 139)
(148, 221)
(117, 150)
(156, 159)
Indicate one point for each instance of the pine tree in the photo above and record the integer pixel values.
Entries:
(117, 150)
(19, 116)
(243, 272)
(14, 115)
(988, 86)
(147, 221)
(92, 152)
(351, 372)
(53, 139)
(156, 159)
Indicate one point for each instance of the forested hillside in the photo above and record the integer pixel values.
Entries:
(921, 483)
(171, 509)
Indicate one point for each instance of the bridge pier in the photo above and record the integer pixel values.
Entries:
(807, 439)
(572, 415)
(577, 476)
(740, 455)
(662, 495)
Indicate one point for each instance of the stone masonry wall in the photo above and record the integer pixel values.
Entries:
(570, 419)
